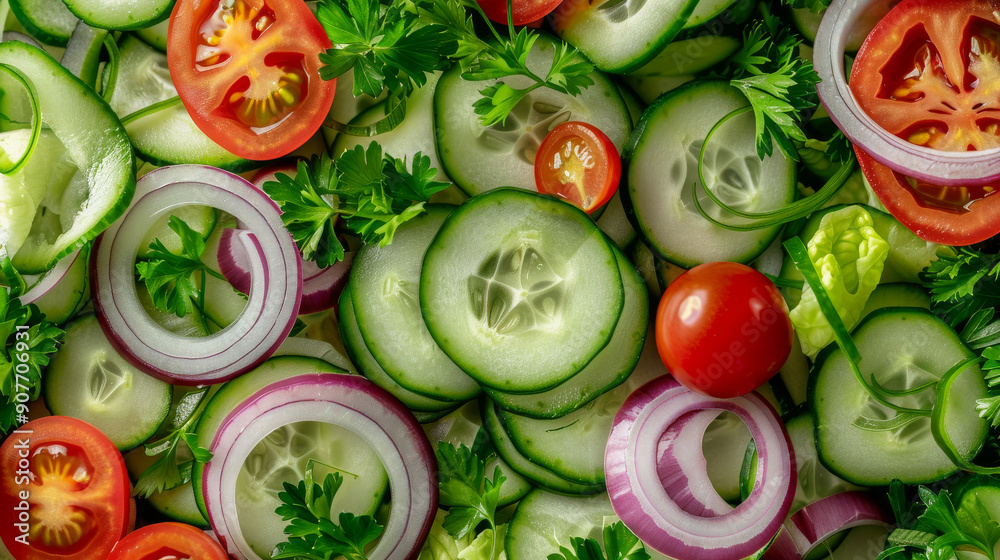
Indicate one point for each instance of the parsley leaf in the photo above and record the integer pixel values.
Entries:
(464, 487)
(36, 342)
(312, 533)
(393, 48)
(963, 284)
(942, 528)
(373, 192)
(171, 278)
(619, 542)
(779, 84)
(814, 6)
(168, 471)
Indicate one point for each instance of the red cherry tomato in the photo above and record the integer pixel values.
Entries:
(168, 541)
(722, 329)
(928, 73)
(525, 11)
(65, 491)
(578, 163)
(248, 73)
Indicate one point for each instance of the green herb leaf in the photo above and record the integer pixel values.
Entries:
(170, 278)
(963, 284)
(307, 208)
(168, 471)
(463, 484)
(32, 347)
(312, 533)
(814, 6)
(620, 543)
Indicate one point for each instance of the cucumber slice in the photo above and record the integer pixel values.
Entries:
(544, 522)
(622, 35)
(539, 474)
(199, 218)
(358, 351)
(898, 294)
(687, 57)
(607, 370)
(481, 158)
(178, 503)
(720, 12)
(168, 136)
(235, 391)
(507, 284)
(283, 456)
(49, 21)
(155, 35)
(814, 481)
(385, 284)
(89, 380)
(64, 299)
(901, 348)
(663, 167)
(83, 53)
(120, 14)
(96, 144)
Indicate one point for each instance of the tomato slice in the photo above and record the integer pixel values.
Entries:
(168, 541)
(65, 490)
(929, 73)
(525, 11)
(248, 72)
(578, 163)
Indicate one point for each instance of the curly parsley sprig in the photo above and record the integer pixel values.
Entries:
(169, 471)
(620, 543)
(393, 48)
(373, 192)
(780, 86)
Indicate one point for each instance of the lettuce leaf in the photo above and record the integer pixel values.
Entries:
(849, 256)
(441, 545)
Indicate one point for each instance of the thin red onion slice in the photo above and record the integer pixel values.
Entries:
(681, 464)
(346, 400)
(933, 166)
(51, 277)
(807, 528)
(273, 301)
(634, 457)
(321, 287)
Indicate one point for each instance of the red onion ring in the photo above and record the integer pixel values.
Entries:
(51, 277)
(810, 526)
(633, 460)
(681, 464)
(933, 166)
(321, 287)
(272, 305)
(345, 400)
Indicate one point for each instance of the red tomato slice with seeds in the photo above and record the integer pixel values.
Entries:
(930, 73)
(248, 72)
(524, 11)
(72, 484)
(579, 164)
(168, 541)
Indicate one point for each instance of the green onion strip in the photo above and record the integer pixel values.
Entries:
(6, 165)
(937, 421)
(154, 108)
(771, 218)
(114, 56)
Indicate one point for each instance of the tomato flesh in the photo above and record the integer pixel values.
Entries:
(248, 72)
(524, 11)
(723, 329)
(168, 541)
(73, 482)
(578, 163)
(930, 74)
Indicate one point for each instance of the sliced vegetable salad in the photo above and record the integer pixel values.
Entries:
(482, 279)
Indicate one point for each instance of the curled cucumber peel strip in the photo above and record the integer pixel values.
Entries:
(7, 164)
(848, 255)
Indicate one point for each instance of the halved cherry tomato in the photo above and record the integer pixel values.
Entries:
(65, 491)
(248, 72)
(168, 541)
(929, 73)
(525, 11)
(578, 163)
(722, 329)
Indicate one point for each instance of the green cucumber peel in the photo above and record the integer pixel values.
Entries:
(154, 108)
(392, 119)
(800, 256)
(114, 56)
(7, 166)
(771, 218)
(938, 429)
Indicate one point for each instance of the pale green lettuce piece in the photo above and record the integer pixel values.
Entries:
(849, 256)
(440, 545)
